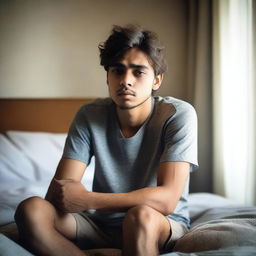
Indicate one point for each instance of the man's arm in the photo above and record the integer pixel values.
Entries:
(171, 180)
(68, 169)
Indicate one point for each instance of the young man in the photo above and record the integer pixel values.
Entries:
(144, 148)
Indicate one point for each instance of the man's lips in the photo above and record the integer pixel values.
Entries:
(125, 92)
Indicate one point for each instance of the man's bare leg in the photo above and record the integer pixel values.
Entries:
(43, 230)
(145, 230)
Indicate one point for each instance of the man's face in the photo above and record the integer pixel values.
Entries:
(132, 79)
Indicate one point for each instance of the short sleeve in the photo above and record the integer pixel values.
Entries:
(180, 136)
(78, 142)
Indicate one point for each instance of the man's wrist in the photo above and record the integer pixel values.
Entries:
(90, 200)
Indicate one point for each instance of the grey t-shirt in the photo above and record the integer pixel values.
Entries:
(126, 164)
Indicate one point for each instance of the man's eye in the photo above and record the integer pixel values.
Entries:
(117, 71)
(138, 73)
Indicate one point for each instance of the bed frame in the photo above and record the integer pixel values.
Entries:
(48, 115)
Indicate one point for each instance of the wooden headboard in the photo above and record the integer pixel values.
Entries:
(48, 115)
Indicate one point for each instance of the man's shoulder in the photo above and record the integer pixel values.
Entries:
(98, 103)
(174, 105)
(95, 111)
(97, 106)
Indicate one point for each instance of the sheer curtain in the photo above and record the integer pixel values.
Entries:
(234, 100)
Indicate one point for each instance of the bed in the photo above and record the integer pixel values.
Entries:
(32, 136)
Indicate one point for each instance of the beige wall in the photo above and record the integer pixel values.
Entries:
(49, 48)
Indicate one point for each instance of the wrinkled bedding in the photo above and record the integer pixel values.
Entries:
(220, 227)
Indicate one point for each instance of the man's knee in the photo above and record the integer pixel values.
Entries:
(140, 216)
(31, 209)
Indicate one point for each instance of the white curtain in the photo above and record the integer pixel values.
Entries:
(234, 100)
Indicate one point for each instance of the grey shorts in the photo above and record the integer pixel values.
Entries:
(90, 235)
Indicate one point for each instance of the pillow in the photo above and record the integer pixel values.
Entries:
(15, 167)
(43, 150)
(28, 161)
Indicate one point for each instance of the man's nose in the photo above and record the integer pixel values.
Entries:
(127, 78)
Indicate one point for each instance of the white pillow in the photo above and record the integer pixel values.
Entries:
(44, 150)
(28, 161)
(15, 167)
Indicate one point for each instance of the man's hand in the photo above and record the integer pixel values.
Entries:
(69, 196)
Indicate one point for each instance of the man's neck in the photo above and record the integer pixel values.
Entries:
(130, 120)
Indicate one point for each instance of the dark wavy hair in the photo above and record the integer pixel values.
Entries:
(122, 39)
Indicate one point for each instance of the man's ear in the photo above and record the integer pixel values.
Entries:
(157, 81)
